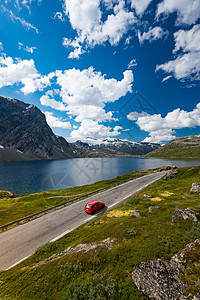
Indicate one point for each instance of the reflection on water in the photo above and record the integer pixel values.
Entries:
(36, 176)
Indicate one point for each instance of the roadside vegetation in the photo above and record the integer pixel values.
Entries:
(72, 269)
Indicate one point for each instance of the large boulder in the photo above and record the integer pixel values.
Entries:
(159, 279)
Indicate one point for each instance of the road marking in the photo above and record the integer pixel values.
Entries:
(67, 231)
(59, 236)
(18, 262)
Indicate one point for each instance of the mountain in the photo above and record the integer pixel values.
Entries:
(115, 146)
(184, 147)
(25, 134)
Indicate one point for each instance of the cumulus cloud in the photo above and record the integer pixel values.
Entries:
(93, 129)
(56, 122)
(89, 87)
(46, 100)
(162, 129)
(187, 64)
(86, 18)
(152, 34)
(84, 95)
(22, 71)
(86, 92)
(188, 12)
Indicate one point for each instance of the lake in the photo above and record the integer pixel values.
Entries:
(36, 176)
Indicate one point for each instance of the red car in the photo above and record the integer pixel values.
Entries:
(93, 206)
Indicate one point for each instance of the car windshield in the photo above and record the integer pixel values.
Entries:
(88, 206)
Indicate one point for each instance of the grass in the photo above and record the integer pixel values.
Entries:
(12, 209)
(104, 273)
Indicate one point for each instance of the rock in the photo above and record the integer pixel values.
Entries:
(147, 196)
(171, 175)
(153, 208)
(187, 213)
(195, 187)
(6, 194)
(135, 213)
(189, 297)
(157, 280)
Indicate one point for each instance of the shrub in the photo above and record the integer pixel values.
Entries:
(194, 232)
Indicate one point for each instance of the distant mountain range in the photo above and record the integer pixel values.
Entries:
(25, 135)
(115, 146)
(184, 147)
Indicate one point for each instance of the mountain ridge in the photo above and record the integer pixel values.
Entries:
(184, 147)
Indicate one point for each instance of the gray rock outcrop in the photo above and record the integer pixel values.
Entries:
(171, 174)
(195, 187)
(159, 279)
(187, 213)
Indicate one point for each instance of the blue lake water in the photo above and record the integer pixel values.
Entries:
(37, 176)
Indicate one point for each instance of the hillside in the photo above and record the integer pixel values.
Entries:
(25, 134)
(185, 147)
(106, 258)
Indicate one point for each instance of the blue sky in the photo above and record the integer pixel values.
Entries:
(105, 68)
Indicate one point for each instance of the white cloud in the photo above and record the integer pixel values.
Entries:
(188, 11)
(187, 40)
(152, 34)
(58, 15)
(140, 5)
(187, 64)
(1, 46)
(22, 71)
(47, 101)
(86, 18)
(162, 129)
(56, 122)
(167, 78)
(132, 63)
(89, 87)
(90, 128)
(27, 48)
(30, 49)
(86, 92)
(13, 17)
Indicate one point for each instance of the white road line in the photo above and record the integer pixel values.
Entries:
(67, 231)
(18, 262)
(59, 236)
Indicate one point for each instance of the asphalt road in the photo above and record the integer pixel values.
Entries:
(21, 241)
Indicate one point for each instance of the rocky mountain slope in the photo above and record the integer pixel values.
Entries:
(25, 134)
(115, 146)
(184, 147)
